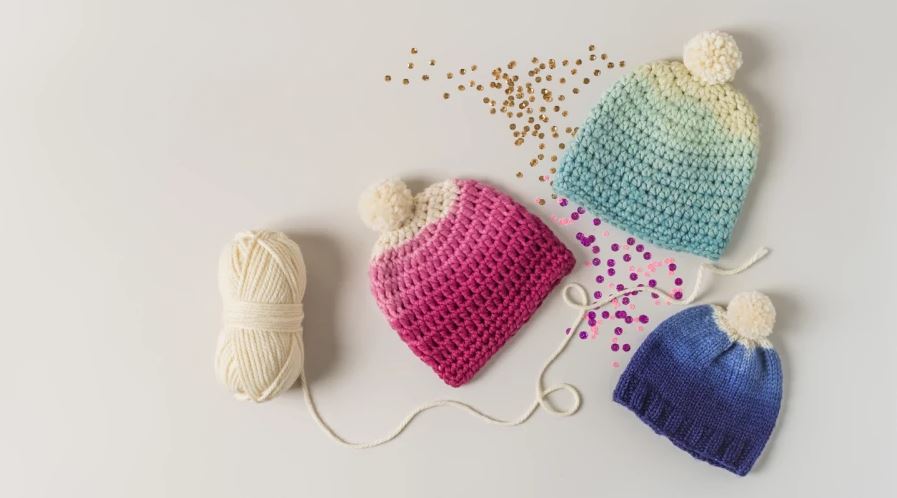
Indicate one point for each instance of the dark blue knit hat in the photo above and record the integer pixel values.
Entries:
(708, 379)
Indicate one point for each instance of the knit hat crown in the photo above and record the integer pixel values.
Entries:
(708, 379)
(669, 152)
(458, 269)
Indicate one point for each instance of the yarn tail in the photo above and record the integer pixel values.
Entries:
(579, 302)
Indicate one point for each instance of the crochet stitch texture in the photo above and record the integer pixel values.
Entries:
(463, 274)
(709, 393)
(667, 157)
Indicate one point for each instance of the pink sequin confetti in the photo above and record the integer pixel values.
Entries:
(639, 270)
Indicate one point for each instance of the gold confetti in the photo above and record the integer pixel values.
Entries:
(516, 96)
(540, 201)
(622, 63)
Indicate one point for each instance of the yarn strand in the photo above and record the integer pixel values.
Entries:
(580, 303)
(261, 350)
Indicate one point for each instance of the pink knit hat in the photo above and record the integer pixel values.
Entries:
(458, 269)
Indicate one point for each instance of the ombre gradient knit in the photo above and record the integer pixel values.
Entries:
(459, 278)
(712, 394)
(666, 157)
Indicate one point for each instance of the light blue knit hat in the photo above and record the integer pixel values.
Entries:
(669, 152)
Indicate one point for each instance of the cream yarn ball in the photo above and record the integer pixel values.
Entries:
(262, 280)
(712, 57)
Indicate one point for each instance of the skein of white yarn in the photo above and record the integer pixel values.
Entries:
(262, 280)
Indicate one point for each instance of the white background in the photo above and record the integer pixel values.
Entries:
(137, 137)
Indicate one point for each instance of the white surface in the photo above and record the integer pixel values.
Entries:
(137, 137)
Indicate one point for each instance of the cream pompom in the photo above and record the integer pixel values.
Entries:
(713, 57)
(386, 205)
(751, 315)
